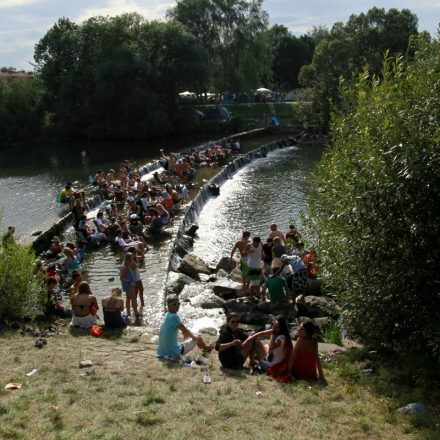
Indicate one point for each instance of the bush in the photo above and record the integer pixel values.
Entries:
(374, 210)
(21, 292)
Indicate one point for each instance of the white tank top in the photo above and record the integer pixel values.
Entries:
(254, 258)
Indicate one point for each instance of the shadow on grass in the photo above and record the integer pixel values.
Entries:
(242, 373)
(401, 380)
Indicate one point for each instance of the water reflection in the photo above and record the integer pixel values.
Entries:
(269, 190)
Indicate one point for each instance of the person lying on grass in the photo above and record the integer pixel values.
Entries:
(168, 346)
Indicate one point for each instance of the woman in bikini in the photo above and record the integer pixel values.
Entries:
(84, 307)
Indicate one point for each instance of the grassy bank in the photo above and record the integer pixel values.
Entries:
(134, 395)
(252, 115)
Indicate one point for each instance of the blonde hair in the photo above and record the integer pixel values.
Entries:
(128, 259)
(115, 294)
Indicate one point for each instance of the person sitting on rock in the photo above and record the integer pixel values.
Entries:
(234, 346)
(277, 287)
(168, 347)
(296, 275)
(304, 362)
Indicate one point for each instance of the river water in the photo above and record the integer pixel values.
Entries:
(27, 198)
(269, 190)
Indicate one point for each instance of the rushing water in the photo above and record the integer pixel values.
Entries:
(27, 196)
(269, 190)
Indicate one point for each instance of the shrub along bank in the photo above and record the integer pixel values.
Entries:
(374, 211)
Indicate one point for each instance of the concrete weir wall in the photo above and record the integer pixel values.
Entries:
(43, 241)
(205, 194)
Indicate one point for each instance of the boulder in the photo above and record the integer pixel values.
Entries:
(222, 274)
(207, 278)
(282, 308)
(188, 240)
(234, 305)
(208, 331)
(228, 289)
(255, 318)
(192, 230)
(318, 322)
(213, 303)
(235, 275)
(227, 264)
(192, 266)
(318, 306)
(177, 282)
(180, 249)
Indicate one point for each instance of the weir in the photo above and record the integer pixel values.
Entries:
(205, 193)
(42, 242)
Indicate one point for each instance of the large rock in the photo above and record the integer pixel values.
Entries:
(227, 264)
(318, 306)
(180, 248)
(177, 282)
(192, 266)
(255, 318)
(192, 230)
(222, 274)
(212, 303)
(234, 305)
(228, 289)
(235, 275)
(318, 322)
(282, 308)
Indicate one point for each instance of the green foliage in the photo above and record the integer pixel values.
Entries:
(348, 48)
(21, 292)
(332, 334)
(231, 34)
(374, 205)
(21, 109)
(117, 77)
(289, 55)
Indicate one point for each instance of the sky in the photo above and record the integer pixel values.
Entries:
(24, 22)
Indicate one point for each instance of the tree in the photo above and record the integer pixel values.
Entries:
(117, 77)
(231, 33)
(21, 109)
(289, 55)
(374, 210)
(348, 48)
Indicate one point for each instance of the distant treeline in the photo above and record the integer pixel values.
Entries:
(119, 77)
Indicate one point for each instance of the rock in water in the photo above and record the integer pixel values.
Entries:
(191, 231)
(36, 233)
(192, 266)
(227, 264)
(228, 289)
(178, 282)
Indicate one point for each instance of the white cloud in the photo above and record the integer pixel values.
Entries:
(14, 3)
(155, 9)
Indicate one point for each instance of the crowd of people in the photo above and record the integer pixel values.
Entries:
(136, 210)
(273, 272)
(270, 274)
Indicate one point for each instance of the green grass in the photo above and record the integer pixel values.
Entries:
(332, 334)
(134, 395)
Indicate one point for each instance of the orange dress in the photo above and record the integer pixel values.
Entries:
(305, 366)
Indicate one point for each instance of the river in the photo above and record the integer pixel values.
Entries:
(27, 196)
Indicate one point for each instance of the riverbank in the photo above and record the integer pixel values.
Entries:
(131, 394)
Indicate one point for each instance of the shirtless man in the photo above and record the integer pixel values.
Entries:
(275, 233)
(243, 247)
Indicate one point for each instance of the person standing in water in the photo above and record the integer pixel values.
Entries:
(243, 246)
